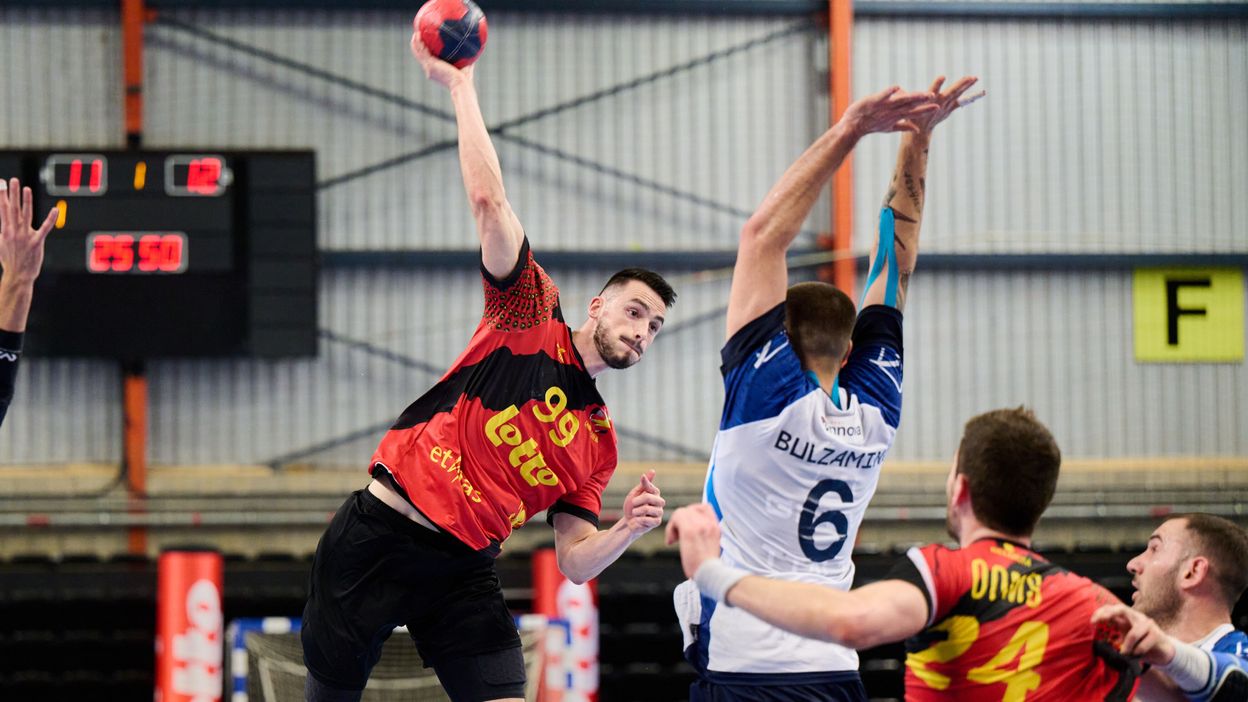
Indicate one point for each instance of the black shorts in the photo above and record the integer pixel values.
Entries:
(374, 570)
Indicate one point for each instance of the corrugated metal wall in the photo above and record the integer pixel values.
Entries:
(1062, 344)
(1097, 136)
(566, 172)
(60, 84)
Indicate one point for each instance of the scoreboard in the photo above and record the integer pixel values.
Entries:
(185, 253)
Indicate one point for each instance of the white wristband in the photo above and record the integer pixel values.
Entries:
(1189, 669)
(715, 579)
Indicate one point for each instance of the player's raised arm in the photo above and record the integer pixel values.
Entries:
(889, 276)
(760, 278)
(21, 258)
(497, 226)
(21, 253)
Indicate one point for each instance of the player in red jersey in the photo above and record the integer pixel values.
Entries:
(990, 620)
(516, 426)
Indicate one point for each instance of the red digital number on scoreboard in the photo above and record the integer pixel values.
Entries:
(140, 252)
(197, 175)
(204, 176)
(75, 174)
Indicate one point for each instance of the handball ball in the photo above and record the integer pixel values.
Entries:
(453, 30)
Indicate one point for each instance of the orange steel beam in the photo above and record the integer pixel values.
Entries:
(133, 16)
(840, 29)
(134, 393)
(135, 397)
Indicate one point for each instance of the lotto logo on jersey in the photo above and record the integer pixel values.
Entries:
(525, 454)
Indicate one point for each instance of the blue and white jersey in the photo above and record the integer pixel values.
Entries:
(1227, 639)
(1228, 679)
(790, 477)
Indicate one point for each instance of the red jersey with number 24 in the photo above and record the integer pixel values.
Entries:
(1005, 625)
(516, 426)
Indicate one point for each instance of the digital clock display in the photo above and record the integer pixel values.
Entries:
(173, 253)
(136, 252)
(140, 212)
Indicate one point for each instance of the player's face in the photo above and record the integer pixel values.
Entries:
(629, 317)
(1156, 571)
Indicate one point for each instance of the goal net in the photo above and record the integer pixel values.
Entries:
(266, 663)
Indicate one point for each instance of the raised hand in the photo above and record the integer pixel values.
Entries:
(21, 245)
(948, 101)
(436, 69)
(643, 507)
(890, 110)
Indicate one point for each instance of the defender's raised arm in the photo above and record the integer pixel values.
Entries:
(760, 278)
(889, 277)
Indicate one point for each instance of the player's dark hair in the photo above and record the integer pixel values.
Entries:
(1225, 544)
(1011, 462)
(820, 321)
(650, 278)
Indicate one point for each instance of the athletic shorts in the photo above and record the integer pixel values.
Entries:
(374, 570)
(849, 690)
(715, 686)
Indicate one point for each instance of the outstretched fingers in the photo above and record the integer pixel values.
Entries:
(48, 223)
(959, 89)
(903, 111)
(886, 93)
(4, 205)
(13, 202)
(28, 208)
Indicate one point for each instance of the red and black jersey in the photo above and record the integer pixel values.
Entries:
(516, 426)
(1006, 625)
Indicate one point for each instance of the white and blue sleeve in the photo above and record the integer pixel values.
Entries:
(874, 370)
(762, 373)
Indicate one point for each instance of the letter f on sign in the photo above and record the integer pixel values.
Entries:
(1173, 311)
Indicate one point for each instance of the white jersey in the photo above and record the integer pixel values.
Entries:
(790, 478)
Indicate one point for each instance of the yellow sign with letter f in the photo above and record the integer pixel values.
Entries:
(1189, 315)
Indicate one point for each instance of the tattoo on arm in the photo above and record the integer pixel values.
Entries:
(902, 217)
(915, 191)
